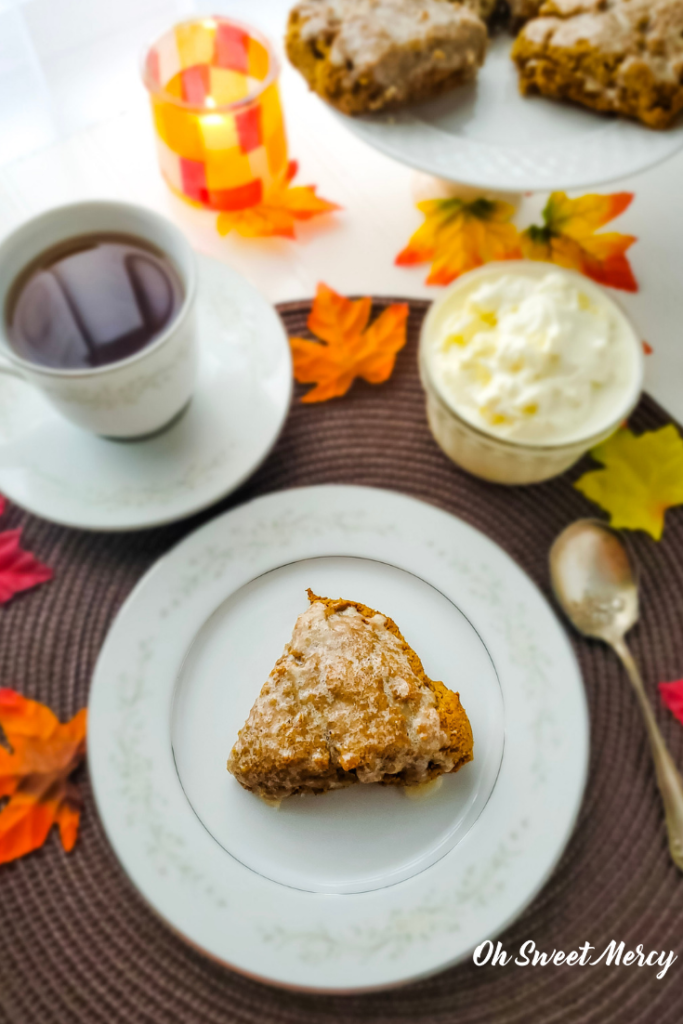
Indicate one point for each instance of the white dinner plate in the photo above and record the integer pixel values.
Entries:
(488, 135)
(74, 478)
(361, 888)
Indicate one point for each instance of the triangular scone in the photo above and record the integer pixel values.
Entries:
(348, 702)
(363, 55)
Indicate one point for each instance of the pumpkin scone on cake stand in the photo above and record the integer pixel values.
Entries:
(613, 56)
(617, 56)
(365, 55)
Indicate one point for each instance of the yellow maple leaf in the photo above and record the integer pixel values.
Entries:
(642, 476)
(348, 348)
(458, 236)
(278, 213)
(568, 238)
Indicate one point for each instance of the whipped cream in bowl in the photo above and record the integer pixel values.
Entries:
(526, 366)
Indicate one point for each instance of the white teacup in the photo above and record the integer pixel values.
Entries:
(135, 396)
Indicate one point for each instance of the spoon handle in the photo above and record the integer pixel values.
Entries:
(668, 777)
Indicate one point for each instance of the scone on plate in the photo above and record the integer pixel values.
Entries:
(348, 702)
(620, 56)
(363, 55)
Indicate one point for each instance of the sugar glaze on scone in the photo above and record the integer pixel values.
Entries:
(618, 56)
(363, 55)
(348, 702)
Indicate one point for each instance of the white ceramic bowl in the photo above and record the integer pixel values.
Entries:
(484, 453)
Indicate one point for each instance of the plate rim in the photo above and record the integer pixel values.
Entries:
(220, 492)
(300, 495)
(503, 184)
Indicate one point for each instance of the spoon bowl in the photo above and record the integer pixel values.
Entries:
(594, 580)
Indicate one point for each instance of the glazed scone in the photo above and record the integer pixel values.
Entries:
(348, 702)
(523, 10)
(363, 55)
(619, 56)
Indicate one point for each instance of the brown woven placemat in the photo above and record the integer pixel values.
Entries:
(77, 943)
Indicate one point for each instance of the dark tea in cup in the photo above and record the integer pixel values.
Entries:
(92, 300)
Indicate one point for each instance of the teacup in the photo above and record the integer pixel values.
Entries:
(134, 396)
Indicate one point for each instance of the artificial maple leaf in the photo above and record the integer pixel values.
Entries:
(457, 236)
(35, 775)
(672, 697)
(568, 238)
(642, 477)
(351, 349)
(278, 213)
(19, 570)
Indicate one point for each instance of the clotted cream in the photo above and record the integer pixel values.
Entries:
(536, 359)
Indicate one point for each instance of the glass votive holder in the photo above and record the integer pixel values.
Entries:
(213, 86)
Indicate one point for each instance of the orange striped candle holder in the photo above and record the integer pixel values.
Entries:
(217, 113)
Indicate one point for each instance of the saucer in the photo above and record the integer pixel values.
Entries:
(58, 471)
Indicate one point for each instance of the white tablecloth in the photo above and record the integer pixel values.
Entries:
(74, 123)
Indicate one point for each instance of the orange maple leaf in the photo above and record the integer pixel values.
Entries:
(568, 238)
(35, 775)
(278, 213)
(351, 349)
(457, 236)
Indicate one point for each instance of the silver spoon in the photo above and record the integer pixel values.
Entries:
(595, 584)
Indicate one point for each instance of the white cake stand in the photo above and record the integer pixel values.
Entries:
(489, 136)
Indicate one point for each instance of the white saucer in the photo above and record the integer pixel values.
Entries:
(362, 888)
(74, 478)
(489, 136)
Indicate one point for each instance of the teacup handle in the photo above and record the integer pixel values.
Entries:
(7, 368)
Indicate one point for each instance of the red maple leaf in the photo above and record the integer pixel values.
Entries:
(19, 569)
(672, 697)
